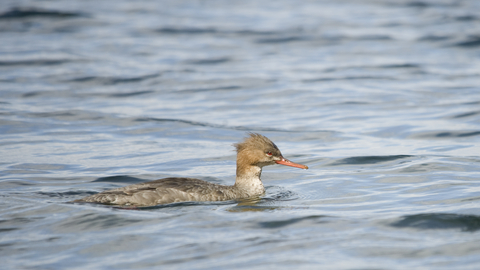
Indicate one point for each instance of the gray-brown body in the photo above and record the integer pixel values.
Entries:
(252, 154)
(169, 190)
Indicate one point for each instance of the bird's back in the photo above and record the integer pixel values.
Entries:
(163, 191)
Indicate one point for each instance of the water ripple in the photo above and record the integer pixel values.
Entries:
(27, 12)
(466, 223)
(470, 42)
(311, 220)
(368, 160)
(35, 62)
(112, 80)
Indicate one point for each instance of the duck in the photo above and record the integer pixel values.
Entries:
(253, 153)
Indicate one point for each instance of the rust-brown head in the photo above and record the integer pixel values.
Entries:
(260, 151)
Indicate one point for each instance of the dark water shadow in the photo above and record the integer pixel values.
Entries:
(120, 179)
(401, 66)
(186, 30)
(216, 89)
(28, 12)
(434, 38)
(273, 40)
(209, 61)
(103, 80)
(467, 114)
(445, 134)
(35, 62)
(436, 221)
(368, 160)
(426, 4)
(470, 42)
(182, 30)
(131, 94)
(315, 219)
(348, 78)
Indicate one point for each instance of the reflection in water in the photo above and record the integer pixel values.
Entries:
(312, 220)
(252, 204)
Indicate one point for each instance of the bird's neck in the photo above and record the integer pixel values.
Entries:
(248, 179)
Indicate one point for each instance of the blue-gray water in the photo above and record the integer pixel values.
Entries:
(381, 99)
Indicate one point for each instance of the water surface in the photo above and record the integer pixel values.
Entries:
(380, 99)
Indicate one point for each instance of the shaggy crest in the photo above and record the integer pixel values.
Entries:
(258, 142)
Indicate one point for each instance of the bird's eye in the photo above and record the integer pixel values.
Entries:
(269, 154)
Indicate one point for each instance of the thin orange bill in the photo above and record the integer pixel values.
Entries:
(287, 162)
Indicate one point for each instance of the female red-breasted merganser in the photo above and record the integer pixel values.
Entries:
(253, 153)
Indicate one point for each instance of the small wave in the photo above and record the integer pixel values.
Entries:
(468, 114)
(172, 30)
(255, 32)
(472, 103)
(473, 41)
(130, 94)
(112, 80)
(4, 230)
(209, 61)
(203, 124)
(466, 18)
(348, 78)
(468, 223)
(427, 4)
(287, 222)
(67, 194)
(71, 115)
(237, 128)
(186, 30)
(368, 160)
(20, 13)
(40, 166)
(373, 37)
(275, 193)
(35, 62)
(446, 134)
(280, 39)
(220, 88)
(417, 4)
(17, 220)
(434, 38)
(120, 179)
(94, 221)
(401, 66)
